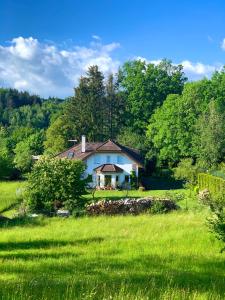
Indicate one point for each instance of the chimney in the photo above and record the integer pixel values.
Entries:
(83, 143)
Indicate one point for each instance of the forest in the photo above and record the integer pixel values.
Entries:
(153, 108)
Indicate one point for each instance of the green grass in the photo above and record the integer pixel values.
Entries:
(170, 256)
(9, 194)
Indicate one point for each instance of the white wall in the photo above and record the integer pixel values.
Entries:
(99, 159)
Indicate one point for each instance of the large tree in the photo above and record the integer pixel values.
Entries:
(172, 127)
(146, 86)
(114, 107)
(84, 111)
(210, 141)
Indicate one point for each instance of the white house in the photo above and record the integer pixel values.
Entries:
(109, 163)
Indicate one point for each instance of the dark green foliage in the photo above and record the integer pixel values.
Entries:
(133, 180)
(214, 184)
(210, 141)
(84, 110)
(131, 139)
(54, 180)
(97, 109)
(146, 86)
(172, 128)
(216, 223)
(57, 136)
(187, 171)
(157, 208)
(23, 121)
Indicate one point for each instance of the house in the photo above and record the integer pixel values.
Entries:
(109, 163)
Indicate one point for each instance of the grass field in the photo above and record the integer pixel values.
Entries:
(9, 194)
(169, 256)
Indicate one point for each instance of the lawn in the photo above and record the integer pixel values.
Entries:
(170, 256)
(9, 194)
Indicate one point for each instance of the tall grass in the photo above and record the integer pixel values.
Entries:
(9, 194)
(169, 256)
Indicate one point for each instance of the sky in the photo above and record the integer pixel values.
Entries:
(46, 45)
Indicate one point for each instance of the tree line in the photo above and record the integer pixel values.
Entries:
(150, 107)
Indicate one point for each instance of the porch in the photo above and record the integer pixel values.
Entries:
(109, 176)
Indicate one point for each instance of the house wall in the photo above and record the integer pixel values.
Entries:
(121, 160)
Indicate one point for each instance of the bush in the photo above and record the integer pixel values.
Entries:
(187, 171)
(217, 221)
(157, 208)
(55, 181)
(133, 180)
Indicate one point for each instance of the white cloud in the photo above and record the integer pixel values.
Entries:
(47, 70)
(199, 70)
(193, 71)
(223, 44)
(96, 37)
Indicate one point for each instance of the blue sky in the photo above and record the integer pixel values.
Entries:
(46, 45)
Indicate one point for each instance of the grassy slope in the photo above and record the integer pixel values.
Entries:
(169, 256)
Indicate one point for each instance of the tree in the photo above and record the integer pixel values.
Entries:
(57, 136)
(114, 108)
(56, 180)
(6, 161)
(85, 111)
(131, 139)
(210, 142)
(172, 128)
(146, 86)
(24, 150)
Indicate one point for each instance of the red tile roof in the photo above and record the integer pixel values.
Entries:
(109, 168)
(101, 147)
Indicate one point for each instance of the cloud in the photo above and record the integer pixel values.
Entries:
(198, 70)
(96, 37)
(48, 70)
(194, 71)
(223, 44)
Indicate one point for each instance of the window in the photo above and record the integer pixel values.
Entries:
(70, 155)
(127, 178)
(119, 159)
(108, 159)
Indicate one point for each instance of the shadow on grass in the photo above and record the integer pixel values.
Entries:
(39, 244)
(148, 274)
(26, 221)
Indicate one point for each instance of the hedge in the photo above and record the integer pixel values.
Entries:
(212, 183)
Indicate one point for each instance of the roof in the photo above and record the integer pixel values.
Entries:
(109, 168)
(101, 147)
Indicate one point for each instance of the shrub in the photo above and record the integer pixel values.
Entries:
(187, 171)
(133, 180)
(157, 208)
(217, 221)
(55, 181)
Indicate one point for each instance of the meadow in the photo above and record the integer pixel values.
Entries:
(171, 256)
(9, 194)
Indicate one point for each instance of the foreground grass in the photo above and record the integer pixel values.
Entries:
(169, 256)
(145, 257)
(9, 194)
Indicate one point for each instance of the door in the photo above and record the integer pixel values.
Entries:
(108, 180)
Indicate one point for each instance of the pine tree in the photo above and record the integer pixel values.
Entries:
(85, 110)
